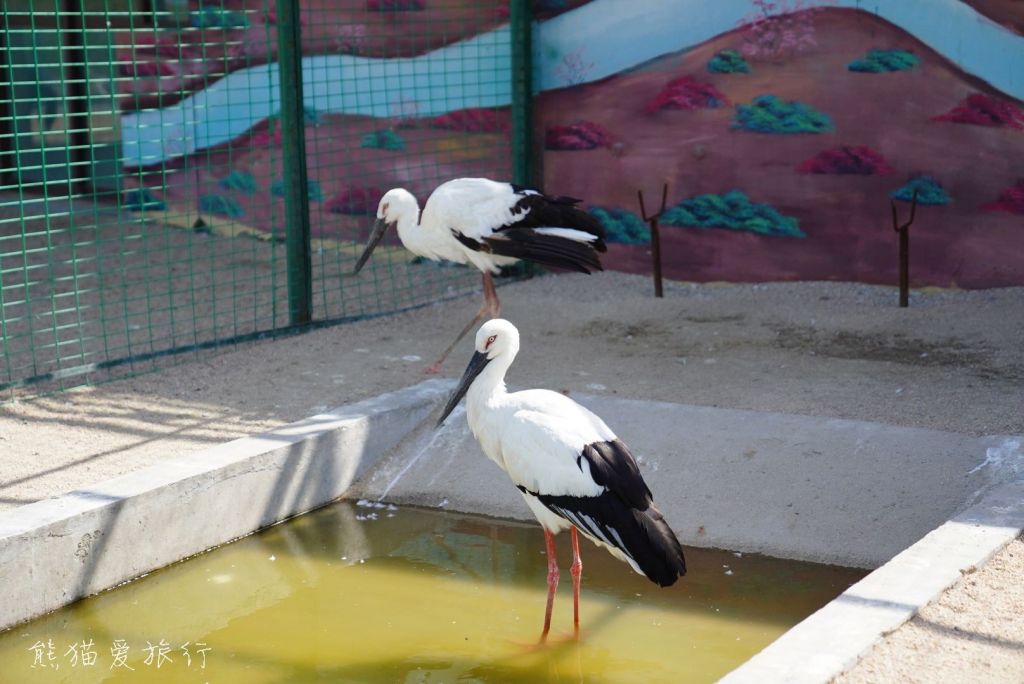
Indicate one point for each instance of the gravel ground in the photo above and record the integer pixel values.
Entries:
(952, 361)
(964, 637)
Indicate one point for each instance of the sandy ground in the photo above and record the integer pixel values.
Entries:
(952, 361)
(962, 638)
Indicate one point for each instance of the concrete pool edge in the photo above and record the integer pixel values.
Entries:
(836, 637)
(55, 551)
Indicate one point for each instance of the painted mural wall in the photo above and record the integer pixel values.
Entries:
(397, 93)
(784, 130)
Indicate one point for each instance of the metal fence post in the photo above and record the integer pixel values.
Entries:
(522, 92)
(293, 148)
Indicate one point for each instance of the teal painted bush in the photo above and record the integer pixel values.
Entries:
(383, 139)
(929, 191)
(213, 16)
(770, 114)
(141, 199)
(728, 62)
(622, 226)
(219, 204)
(882, 61)
(313, 192)
(242, 181)
(732, 211)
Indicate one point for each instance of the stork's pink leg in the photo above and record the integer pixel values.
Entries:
(549, 541)
(490, 308)
(491, 302)
(435, 368)
(576, 569)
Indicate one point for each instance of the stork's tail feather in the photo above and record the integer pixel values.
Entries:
(643, 538)
(547, 250)
(664, 561)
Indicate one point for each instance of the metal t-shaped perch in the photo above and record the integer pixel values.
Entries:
(904, 233)
(655, 235)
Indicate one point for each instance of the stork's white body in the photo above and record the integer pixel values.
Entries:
(571, 469)
(536, 437)
(474, 208)
(427, 236)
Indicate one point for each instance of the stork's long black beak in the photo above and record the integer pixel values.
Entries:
(380, 226)
(476, 365)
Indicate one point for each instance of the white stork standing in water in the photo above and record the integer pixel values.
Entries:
(569, 466)
(490, 225)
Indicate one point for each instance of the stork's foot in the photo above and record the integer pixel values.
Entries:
(553, 639)
(433, 369)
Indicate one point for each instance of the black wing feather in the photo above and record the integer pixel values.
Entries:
(547, 250)
(546, 211)
(624, 515)
(643, 535)
(519, 239)
(612, 465)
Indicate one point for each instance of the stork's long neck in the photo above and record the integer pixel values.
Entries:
(488, 388)
(408, 225)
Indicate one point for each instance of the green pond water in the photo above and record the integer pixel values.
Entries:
(352, 593)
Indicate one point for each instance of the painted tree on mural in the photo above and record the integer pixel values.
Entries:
(358, 201)
(687, 93)
(858, 160)
(574, 68)
(776, 28)
(221, 205)
(141, 199)
(240, 181)
(313, 192)
(1010, 199)
(396, 5)
(383, 139)
(728, 62)
(622, 226)
(732, 211)
(473, 120)
(881, 61)
(985, 110)
(582, 135)
(771, 114)
(928, 191)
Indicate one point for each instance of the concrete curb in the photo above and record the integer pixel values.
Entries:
(832, 640)
(58, 550)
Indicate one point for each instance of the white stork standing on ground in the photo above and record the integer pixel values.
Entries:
(489, 225)
(569, 466)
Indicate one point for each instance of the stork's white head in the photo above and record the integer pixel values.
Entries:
(497, 337)
(396, 206)
(497, 343)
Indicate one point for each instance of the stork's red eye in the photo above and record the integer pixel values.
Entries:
(490, 341)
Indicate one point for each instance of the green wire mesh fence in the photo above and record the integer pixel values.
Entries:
(179, 175)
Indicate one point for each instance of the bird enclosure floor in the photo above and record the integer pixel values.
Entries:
(374, 593)
(952, 361)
